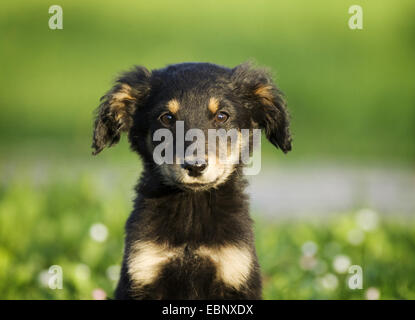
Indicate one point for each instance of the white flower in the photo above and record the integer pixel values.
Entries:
(367, 219)
(43, 278)
(309, 248)
(329, 281)
(98, 232)
(341, 263)
(372, 294)
(113, 272)
(356, 237)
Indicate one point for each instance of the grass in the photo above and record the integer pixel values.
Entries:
(47, 212)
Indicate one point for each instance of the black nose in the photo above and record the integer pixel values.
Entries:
(194, 169)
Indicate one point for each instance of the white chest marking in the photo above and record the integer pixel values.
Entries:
(146, 259)
(233, 264)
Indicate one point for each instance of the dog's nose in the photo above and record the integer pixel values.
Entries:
(194, 169)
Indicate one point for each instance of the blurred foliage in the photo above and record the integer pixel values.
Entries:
(350, 93)
(47, 214)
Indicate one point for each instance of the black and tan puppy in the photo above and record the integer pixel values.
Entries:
(190, 234)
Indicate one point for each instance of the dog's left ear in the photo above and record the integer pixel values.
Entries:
(266, 102)
(115, 113)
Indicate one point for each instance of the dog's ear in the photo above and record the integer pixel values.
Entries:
(115, 113)
(266, 102)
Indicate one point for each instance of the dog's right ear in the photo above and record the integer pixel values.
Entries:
(115, 113)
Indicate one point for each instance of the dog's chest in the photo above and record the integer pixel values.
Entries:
(150, 262)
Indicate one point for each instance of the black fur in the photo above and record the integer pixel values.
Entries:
(169, 214)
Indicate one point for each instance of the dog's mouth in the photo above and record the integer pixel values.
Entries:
(198, 186)
(177, 176)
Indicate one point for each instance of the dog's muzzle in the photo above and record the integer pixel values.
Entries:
(194, 169)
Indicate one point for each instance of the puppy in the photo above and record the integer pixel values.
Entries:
(190, 234)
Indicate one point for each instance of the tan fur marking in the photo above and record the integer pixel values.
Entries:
(173, 106)
(233, 264)
(119, 106)
(265, 93)
(146, 259)
(213, 105)
(123, 94)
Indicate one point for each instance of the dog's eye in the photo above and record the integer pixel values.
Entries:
(221, 117)
(166, 119)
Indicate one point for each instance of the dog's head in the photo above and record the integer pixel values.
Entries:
(158, 109)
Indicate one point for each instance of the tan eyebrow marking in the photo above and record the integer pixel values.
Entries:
(173, 105)
(213, 105)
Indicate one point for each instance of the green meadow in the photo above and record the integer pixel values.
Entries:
(350, 94)
(71, 215)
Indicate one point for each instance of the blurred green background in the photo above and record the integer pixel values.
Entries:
(351, 97)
